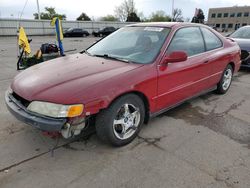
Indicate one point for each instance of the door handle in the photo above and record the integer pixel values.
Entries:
(205, 62)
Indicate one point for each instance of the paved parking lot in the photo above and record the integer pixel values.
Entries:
(204, 143)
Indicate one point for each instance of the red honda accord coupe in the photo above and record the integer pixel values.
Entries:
(123, 80)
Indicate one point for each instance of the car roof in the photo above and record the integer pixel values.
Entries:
(166, 24)
(246, 26)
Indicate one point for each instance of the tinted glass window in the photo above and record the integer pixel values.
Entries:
(239, 14)
(225, 15)
(232, 14)
(246, 14)
(211, 40)
(189, 40)
(219, 15)
(213, 15)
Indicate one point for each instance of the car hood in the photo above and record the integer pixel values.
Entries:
(66, 76)
(243, 43)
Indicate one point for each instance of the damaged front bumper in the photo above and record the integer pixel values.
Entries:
(43, 123)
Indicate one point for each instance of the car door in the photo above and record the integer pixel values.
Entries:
(105, 31)
(182, 80)
(214, 47)
(79, 32)
(74, 31)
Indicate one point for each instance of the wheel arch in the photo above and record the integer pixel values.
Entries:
(144, 99)
(233, 65)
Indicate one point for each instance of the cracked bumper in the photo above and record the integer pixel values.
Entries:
(40, 122)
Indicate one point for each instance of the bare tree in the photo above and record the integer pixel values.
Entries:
(125, 9)
(177, 15)
(187, 19)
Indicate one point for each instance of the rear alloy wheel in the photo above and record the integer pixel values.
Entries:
(121, 122)
(225, 81)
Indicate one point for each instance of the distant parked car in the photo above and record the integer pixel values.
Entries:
(75, 32)
(104, 32)
(242, 37)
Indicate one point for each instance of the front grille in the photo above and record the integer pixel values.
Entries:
(23, 101)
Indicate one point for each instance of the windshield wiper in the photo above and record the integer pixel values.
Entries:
(113, 58)
(86, 52)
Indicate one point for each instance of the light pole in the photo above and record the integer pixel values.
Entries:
(38, 10)
(172, 19)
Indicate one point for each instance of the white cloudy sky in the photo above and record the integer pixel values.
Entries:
(98, 8)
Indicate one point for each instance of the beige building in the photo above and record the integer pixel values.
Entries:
(229, 18)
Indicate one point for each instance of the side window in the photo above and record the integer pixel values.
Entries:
(211, 40)
(187, 39)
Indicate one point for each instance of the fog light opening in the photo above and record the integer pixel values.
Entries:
(69, 130)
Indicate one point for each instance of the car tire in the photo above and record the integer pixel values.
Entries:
(225, 81)
(120, 123)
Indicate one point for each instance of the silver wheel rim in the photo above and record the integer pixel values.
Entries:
(126, 121)
(227, 78)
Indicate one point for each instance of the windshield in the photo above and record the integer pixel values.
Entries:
(70, 29)
(133, 44)
(243, 33)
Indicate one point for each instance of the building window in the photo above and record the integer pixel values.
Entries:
(213, 15)
(239, 14)
(244, 24)
(246, 14)
(225, 15)
(230, 25)
(217, 25)
(232, 15)
(223, 25)
(219, 15)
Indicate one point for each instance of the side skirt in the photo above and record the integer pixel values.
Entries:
(152, 115)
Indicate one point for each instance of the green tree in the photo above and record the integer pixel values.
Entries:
(83, 17)
(49, 14)
(159, 16)
(109, 18)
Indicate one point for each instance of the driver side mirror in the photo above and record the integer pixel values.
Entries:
(175, 57)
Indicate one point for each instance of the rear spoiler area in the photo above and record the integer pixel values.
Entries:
(230, 39)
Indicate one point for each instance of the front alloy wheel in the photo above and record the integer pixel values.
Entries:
(126, 121)
(120, 123)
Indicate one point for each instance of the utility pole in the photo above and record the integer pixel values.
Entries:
(38, 10)
(172, 19)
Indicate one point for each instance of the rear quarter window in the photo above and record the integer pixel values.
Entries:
(211, 40)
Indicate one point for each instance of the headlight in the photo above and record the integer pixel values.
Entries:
(55, 110)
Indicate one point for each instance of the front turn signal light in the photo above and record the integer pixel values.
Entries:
(75, 110)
